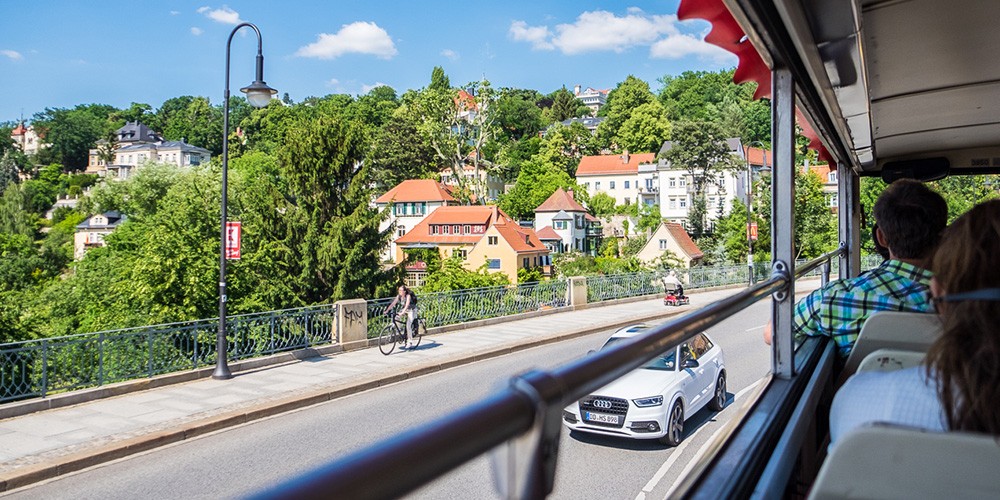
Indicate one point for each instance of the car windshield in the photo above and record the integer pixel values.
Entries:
(664, 361)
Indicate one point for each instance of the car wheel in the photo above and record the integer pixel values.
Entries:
(719, 398)
(675, 425)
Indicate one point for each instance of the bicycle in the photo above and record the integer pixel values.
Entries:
(395, 333)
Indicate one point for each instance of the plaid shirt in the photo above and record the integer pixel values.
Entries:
(840, 308)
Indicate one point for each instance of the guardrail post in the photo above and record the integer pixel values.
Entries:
(352, 323)
(577, 291)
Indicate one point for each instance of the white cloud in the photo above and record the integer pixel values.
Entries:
(175, 12)
(536, 35)
(450, 54)
(196, 31)
(598, 31)
(13, 55)
(223, 15)
(678, 46)
(365, 88)
(333, 81)
(357, 38)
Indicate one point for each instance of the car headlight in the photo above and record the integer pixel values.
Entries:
(650, 401)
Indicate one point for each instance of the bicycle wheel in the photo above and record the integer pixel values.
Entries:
(419, 331)
(387, 339)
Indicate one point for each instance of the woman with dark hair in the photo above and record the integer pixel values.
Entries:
(958, 388)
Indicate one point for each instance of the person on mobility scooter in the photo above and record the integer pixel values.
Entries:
(673, 290)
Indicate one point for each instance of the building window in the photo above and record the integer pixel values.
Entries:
(466, 229)
(586, 185)
(460, 252)
(434, 229)
(525, 262)
(478, 229)
(663, 244)
(611, 185)
(491, 240)
(683, 182)
(833, 200)
(597, 185)
(445, 229)
(628, 201)
(559, 224)
(493, 263)
(673, 203)
(626, 184)
(672, 182)
(400, 231)
(649, 184)
(832, 176)
(456, 229)
(684, 202)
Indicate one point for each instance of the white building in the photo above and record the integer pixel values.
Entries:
(561, 215)
(593, 98)
(616, 175)
(91, 232)
(26, 139)
(138, 144)
(412, 201)
(644, 179)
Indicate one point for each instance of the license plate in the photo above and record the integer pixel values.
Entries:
(601, 418)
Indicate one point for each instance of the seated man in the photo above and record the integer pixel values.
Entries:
(910, 218)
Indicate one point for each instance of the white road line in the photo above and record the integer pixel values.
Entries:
(680, 449)
(761, 327)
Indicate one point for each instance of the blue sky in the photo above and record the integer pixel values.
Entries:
(62, 53)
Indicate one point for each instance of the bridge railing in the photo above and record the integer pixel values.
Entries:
(40, 367)
(461, 306)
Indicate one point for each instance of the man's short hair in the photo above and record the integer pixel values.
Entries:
(911, 217)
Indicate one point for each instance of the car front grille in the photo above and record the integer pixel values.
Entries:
(618, 406)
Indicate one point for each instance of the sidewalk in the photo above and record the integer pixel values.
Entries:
(49, 443)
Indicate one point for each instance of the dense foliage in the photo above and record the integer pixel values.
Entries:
(302, 176)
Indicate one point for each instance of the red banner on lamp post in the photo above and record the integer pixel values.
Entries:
(752, 232)
(234, 234)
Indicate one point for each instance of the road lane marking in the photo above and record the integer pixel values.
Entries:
(662, 471)
(761, 327)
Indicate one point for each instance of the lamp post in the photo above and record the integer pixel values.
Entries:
(258, 95)
(746, 156)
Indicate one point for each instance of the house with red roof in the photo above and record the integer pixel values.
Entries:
(26, 139)
(615, 175)
(411, 200)
(560, 215)
(674, 238)
(478, 234)
(829, 178)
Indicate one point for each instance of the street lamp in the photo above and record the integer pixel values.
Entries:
(746, 156)
(259, 95)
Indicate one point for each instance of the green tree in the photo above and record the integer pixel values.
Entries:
(564, 106)
(341, 243)
(70, 133)
(701, 149)
(645, 129)
(518, 114)
(198, 124)
(439, 80)
(398, 153)
(623, 100)
(8, 170)
(602, 204)
(454, 276)
(536, 182)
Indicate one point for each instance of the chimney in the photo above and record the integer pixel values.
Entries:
(576, 90)
(625, 157)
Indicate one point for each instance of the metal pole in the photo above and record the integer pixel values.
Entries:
(783, 218)
(221, 345)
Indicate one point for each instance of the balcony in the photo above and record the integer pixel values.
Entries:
(649, 190)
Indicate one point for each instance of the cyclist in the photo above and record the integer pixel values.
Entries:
(408, 305)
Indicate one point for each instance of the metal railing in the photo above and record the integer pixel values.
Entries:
(40, 367)
(460, 306)
(526, 415)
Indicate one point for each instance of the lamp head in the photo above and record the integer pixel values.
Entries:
(258, 93)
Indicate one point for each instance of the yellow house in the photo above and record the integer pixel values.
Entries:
(507, 247)
(480, 235)
(672, 237)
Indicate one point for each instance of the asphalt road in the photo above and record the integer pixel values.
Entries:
(242, 460)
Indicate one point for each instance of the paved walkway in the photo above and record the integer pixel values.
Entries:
(48, 443)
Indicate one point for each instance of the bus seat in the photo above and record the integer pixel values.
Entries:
(883, 461)
(887, 360)
(905, 331)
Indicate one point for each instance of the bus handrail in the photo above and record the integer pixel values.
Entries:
(532, 402)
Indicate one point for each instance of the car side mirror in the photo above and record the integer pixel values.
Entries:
(690, 363)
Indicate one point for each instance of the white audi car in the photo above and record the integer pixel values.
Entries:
(652, 402)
